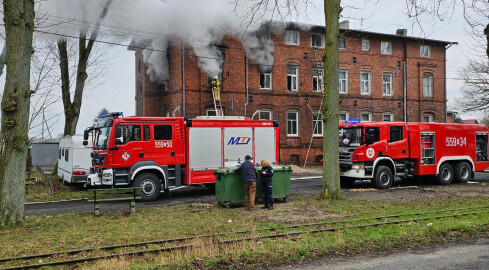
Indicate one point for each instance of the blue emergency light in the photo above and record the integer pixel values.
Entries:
(352, 121)
(113, 114)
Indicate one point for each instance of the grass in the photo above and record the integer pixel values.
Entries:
(44, 234)
(38, 190)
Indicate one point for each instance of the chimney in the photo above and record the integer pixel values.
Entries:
(401, 32)
(344, 25)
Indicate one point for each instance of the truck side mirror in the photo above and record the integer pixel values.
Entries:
(85, 143)
(85, 136)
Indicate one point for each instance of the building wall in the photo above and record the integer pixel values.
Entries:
(160, 100)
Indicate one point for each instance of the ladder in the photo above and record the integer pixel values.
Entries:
(217, 104)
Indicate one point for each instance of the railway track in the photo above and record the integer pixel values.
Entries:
(167, 245)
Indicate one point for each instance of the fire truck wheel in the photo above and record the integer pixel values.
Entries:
(383, 178)
(150, 186)
(445, 176)
(462, 172)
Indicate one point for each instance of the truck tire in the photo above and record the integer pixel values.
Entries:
(462, 172)
(383, 178)
(150, 186)
(445, 175)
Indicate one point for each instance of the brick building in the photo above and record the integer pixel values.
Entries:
(376, 70)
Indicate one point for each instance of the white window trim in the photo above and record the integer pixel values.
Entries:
(369, 116)
(346, 43)
(322, 40)
(210, 110)
(265, 88)
(390, 83)
(431, 85)
(297, 75)
(320, 80)
(369, 82)
(346, 84)
(297, 123)
(368, 42)
(320, 122)
(347, 116)
(421, 50)
(265, 110)
(391, 115)
(298, 38)
(390, 43)
(430, 116)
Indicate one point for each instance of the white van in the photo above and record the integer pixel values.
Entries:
(74, 159)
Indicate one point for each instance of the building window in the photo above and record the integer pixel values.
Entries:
(343, 84)
(292, 38)
(343, 116)
(265, 80)
(317, 124)
(210, 112)
(425, 51)
(388, 117)
(385, 47)
(292, 123)
(387, 84)
(292, 78)
(366, 117)
(428, 85)
(365, 82)
(317, 79)
(317, 40)
(265, 115)
(140, 111)
(428, 117)
(365, 45)
(342, 43)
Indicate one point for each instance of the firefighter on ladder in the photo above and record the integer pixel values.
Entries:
(216, 88)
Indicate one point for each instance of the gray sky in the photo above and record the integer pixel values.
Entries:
(115, 89)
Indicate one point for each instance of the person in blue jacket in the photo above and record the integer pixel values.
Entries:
(266, 174)
(248, 177)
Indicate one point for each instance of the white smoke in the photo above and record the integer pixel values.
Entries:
(156, 59)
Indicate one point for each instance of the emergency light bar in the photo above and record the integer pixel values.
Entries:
(352, 121)
(113, 114)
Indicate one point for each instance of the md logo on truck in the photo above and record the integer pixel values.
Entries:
(239, 140)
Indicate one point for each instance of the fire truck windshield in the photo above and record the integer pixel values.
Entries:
(351, 136)
(102, 140)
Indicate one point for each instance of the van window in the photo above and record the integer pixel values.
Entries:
(127, 133)
(162, 132)
(59, 153)
(395, 134)
(66, 154)
(147, 135)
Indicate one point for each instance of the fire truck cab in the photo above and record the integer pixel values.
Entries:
(380, 151)
(159, 153)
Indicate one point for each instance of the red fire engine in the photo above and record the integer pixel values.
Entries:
(382, 150)
(159, 153)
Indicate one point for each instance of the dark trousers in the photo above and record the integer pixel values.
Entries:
(266, 188)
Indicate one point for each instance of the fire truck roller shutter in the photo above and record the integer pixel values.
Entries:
(238, 142)
(265, 144)
(205, 146)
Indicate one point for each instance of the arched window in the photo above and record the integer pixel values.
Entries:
(428, 85)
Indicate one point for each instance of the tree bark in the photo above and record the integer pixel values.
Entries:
(14, 141)
(330, 110)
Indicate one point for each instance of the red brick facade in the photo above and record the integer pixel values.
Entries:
(158, 100)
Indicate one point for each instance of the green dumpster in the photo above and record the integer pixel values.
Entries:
(280, 183)
(229, 188)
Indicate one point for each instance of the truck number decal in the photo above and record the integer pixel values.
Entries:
(370, 152)
(239, 140)
(452, 141)
(163, 144)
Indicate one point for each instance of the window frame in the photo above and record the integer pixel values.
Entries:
(369, 82)
(391, 90)
(317, 81)
(430, 83)
(345, 79)
(391, 116)
(422, 48)
(369, 116)
(347, 114)
(208, 112)
(270, 80)
(366, 41)
(321, 36)
(382, 47)
(265, 111)
(342, 45)
(431, 117)
(298, 37)
(296, 75)
(296, 121)
(317, 122)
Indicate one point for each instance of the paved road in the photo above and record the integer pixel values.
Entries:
(470, 254)
(300, 185)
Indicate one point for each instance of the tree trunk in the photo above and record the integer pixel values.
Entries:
(19, 26)
(330, 110)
